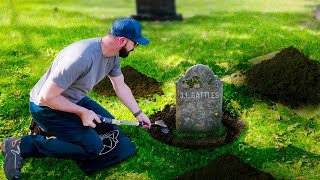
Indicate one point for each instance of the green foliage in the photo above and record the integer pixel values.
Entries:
(221, 34)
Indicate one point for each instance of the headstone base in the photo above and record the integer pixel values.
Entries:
(156, 10)
(152, 17)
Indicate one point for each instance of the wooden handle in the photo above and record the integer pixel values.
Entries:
(118, 122)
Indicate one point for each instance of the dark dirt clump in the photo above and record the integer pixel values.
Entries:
(227, 167)
(289, 78)
(140, 85)
(233, 125)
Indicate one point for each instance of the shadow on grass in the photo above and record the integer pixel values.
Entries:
(266, 157)
(261, 159)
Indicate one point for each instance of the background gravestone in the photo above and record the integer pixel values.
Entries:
(199, 100)
(156, 10)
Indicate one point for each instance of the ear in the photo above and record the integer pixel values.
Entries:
(122, 41)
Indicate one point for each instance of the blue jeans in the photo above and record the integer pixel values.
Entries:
(72, 139)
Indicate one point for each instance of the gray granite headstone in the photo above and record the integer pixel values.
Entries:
(199, 100)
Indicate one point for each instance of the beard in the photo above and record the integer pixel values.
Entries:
(124, 53)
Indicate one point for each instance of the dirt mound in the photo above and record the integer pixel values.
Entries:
(289, 78)
(227, 167)
(140, 85)
(233, 125)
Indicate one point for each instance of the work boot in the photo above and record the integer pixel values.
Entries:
(13, 161)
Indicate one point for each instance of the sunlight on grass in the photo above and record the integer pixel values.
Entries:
(212, 6)
(224, 35)
(128, 175)
(175, 60)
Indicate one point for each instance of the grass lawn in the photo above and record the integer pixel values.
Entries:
(221, 34)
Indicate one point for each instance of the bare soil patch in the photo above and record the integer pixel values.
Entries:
(140, 84)
(224, 168)
(289, 78)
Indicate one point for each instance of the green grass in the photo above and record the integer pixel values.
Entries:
(218, 133)
(221, 34)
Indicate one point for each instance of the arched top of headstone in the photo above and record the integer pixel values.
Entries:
(197, 75)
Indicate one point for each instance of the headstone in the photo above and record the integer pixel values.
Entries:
(156, 10)
(199, 100)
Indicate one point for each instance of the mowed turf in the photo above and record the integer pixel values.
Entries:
(224, 35)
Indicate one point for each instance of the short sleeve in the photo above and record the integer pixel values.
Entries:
(116, 70)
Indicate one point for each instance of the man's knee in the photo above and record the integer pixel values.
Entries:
(94, 148)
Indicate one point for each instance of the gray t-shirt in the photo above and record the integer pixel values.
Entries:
(77, 69)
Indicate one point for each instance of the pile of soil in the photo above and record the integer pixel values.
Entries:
(233, 125)
(289, 78)
(140, 85)
(227, 167)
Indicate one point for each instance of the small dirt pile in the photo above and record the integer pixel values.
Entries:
(233, 125)
(226, 167)
(289, 78)
(140, 85)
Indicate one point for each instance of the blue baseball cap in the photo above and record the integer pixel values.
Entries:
(129, 28)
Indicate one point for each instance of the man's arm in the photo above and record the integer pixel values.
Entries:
(50, 95)
(125, 95)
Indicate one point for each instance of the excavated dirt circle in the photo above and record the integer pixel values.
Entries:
(289, 78)
(140, 85)
(233, 125)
